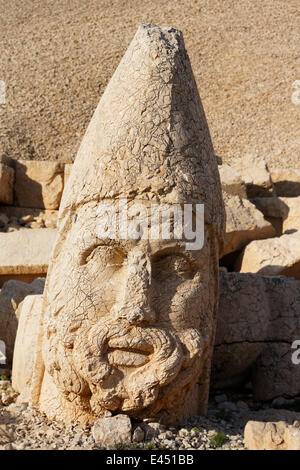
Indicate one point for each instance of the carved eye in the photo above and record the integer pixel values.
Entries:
(173, 265)
(104, 256)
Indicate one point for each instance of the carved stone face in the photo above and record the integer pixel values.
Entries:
(131, 320)
(129, 324)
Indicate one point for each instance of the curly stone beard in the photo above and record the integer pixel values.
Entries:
(132, 369)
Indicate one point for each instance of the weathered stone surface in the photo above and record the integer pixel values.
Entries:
(113, 341)
(265, 436)
(274, 374)
(292, 438)
(26, 251)
(292, 217)
(67, 171)
(11, 295)
(28, 365)
(273, 257)
(38, 184)
(286, 181)
(7, 176)
(259, 318)
(244, 223)
(247, 177)
(232, 182)
(112, 431)
(255, 174)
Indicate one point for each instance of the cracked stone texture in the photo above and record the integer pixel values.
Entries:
(11, 296)
(57, 57)
(259, 319)
(131, 327)
(109, 432)
(271, 436)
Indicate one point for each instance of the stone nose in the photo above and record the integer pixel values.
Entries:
(135, 306)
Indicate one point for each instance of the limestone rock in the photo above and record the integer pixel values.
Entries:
(273, 257)
(26, 252)
(271, 206)
(28, 365)
(254, 172)
(110, 432)
(11, 295)
(67, 171)
(7, 176)
(38, 184)
(271, 436)
(148, 141)
(292, 438)
(292, 217)
(244, 223)
(265, 436)
(232, 182)
(286, 181)
(259, 318)
(274, 374)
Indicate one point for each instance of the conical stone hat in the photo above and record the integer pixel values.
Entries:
(148, 138)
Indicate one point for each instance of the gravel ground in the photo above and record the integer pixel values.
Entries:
(57, 57)
(24, 428)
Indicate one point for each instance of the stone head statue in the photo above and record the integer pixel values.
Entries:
(129, 321)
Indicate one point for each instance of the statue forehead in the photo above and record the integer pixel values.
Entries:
(83, 232)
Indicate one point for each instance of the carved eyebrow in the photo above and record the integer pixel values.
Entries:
(172, 251)
(88, 249)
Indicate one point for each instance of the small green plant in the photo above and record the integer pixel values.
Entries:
(225, 415)
(3, 377)
(195, 429)
(218, 440)
(121, 446)
(150, 446)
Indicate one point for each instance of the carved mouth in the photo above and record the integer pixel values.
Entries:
(126, 358)
(128, 351)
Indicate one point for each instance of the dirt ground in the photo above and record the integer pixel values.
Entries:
(56, 57)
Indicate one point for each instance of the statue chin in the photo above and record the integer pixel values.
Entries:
(132, 370)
